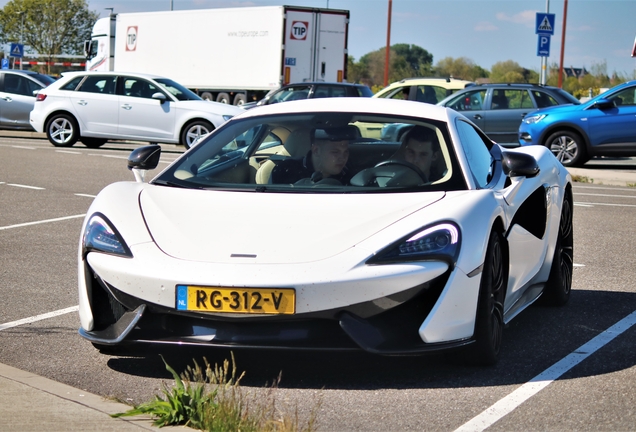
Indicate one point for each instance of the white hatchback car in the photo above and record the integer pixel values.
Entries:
(97, 106)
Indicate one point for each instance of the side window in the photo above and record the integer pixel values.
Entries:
(330, 91)
(289, 94)
(543, 99)
(469, 101)
(429, 94)
(518, 99)
(99, 84)
(19, 85)
(477, 153)
(402, 93)
(137, 87)
(72, 84)
(623, 97)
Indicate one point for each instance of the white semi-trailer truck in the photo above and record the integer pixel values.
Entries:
(230, 55)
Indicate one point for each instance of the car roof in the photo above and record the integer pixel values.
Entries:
(360, 105)
(135, 74)
(347, 84)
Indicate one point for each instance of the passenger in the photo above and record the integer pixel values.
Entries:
(421, 148)
(327, 158)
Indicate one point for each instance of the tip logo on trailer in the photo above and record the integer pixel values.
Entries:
(131, 38)
(299, 30)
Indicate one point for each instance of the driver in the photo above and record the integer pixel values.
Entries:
(421, 148)
(327, 158)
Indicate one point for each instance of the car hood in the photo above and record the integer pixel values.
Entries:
(279, 228)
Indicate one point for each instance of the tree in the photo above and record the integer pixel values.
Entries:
(406, 61)
(48, 27)
(461, 68)
(510, 72)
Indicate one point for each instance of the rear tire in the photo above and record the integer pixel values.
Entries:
(207, 96)
(240, 99)
(62, 130)
(559, 284)
(223, 98)
(193, 131)
(93, 142)
(489, 321)
(568, 147)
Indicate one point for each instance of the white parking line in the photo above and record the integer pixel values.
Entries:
(41, 222)
(25, 186)
(592, 204)
(606, 195)
(38, 317)
(68, 152)
(23, 147)
(85, 195)
(506, 405)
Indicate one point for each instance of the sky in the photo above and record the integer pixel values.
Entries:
(598, 32)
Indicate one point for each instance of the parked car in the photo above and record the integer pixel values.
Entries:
(498, 109)
(17, 96)
(428, 90)
(311, 90)
(94, 107)
(224, 249)
(603, 126)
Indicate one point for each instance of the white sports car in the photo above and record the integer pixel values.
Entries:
(244, 242)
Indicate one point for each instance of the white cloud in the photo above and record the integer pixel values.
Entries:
(527, 18)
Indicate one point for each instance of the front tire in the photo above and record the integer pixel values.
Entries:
(193, 131)
(62, 130)
(559, 284)
(93, 142)
(568, 147)
(223, 98)
(489, 321)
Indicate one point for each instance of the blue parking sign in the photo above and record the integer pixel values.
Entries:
(543, 46)
(5, 63)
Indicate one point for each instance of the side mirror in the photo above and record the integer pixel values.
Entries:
(143, 159)
(604, 104)
(160, 97)
(519, 164)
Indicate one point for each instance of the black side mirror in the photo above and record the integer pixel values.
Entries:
(519, 164)
(144, 158)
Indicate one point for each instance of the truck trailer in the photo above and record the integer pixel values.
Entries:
(229, 55)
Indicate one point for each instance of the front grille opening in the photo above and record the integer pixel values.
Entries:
(106, 309)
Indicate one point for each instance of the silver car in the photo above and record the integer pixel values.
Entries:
(17, 96)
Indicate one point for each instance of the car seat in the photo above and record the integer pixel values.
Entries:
(296, 145)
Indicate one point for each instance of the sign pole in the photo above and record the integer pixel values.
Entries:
(544, 59)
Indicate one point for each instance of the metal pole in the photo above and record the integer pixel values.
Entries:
(544, 59)
(388, 47)
(565, 17)
(21, 30)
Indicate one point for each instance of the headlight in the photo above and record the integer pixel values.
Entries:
(439, 242)
(100, 236)
(534, 118)
(227, 117)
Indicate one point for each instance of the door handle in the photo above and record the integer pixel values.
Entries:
(82, 102)
(126, 106)
(7, 99)
(477, 117)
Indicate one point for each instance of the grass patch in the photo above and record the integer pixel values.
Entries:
(582, 179)
(211, 399)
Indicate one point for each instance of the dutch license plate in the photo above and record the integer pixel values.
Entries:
(236, 300)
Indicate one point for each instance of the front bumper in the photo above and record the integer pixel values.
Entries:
(121, 319)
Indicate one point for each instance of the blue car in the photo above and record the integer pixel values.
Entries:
(602, 126)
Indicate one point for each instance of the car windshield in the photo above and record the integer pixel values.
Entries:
(177, 90)
(321, 153)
